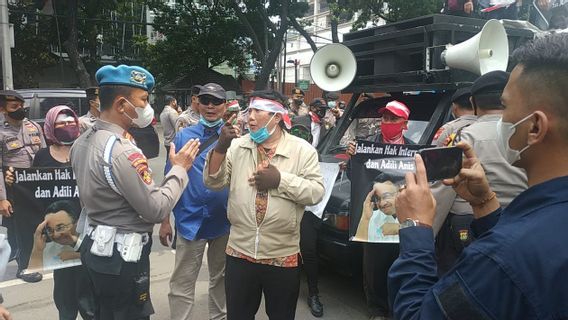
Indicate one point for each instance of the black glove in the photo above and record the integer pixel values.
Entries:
(267, 178)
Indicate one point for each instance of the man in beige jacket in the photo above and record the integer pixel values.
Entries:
(271, 176)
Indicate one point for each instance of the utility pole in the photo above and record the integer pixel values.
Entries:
(7, 78)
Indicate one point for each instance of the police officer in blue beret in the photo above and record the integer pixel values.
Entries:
(121, 200)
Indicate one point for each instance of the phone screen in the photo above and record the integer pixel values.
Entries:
(442, 163)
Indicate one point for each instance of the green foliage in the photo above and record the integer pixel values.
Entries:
(390, 10)
(197, 35)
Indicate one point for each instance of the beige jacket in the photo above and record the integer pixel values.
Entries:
(301, 184)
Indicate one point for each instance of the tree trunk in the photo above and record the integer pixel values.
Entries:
(304, 33)
(268, 66)
(334, 35)
(71, 45)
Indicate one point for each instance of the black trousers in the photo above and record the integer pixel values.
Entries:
(377, 260)
(308, 247)
(454, 235)
(12, 240)
(245, 282)
(121, 289)
(24, 224)
(72, 293)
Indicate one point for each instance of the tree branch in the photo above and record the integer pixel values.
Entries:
(250, 30)
(303, 32)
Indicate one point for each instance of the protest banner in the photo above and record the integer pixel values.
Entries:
(329, 173)
(50, 195)
(377, 173)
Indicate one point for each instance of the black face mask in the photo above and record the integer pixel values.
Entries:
(320, 112)
(298, 101)
(19, 114)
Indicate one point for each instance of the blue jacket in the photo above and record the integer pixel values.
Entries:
(200, 213)
(516, 269)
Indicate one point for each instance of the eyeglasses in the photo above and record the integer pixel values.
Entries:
(58, 228)
(206, 100)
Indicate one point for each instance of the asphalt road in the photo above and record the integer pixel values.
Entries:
(342, 297)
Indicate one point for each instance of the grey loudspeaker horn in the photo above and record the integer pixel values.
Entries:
(486, 51)
(333, 67)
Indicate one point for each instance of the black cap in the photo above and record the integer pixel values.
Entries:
(10, 95)
(213, 89)
(318, 102)
(493, 81)
(195, 90)
(332, 95)
(461, 93)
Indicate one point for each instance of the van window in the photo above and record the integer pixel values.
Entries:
(77, 104)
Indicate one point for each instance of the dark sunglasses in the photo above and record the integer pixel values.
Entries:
(206, 100)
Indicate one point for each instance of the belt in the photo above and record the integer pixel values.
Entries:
(119, 238)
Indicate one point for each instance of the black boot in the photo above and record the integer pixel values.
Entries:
(315, 306)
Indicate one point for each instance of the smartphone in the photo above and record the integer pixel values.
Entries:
(442, 163)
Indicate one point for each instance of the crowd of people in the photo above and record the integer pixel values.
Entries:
(485, 244)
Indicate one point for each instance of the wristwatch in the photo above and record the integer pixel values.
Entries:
(413, 223)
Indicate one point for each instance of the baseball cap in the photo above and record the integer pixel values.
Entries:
(493, 81)
(214, 90)
(397, 108)
(318, 102)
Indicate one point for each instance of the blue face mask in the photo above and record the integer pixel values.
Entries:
(210, 124)
(332, 104)
(260, 135)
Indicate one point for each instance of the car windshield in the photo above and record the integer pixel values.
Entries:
(365, 128)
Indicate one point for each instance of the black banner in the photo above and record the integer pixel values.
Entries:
(48, 196)
(377, 173)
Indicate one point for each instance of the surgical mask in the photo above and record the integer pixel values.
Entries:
(210, 124)
(145, 115)
(391, 131)
(331, 104)
(19, 114)
(66, 135)
(505, 130)
(260, 135)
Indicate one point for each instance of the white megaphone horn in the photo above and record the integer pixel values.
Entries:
(333, 67)
(486, 51)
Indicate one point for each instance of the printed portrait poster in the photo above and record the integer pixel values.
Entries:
(377, 173)
(50, 195)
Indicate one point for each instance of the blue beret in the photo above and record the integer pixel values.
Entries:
(123, 75)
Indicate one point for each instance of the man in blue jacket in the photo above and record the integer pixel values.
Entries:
(518, 266)
(200, 217)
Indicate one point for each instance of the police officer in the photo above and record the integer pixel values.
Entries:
(20, 140)
(453, 214)
(88, 120)
(191, 115)
(119, 195)
(297, 105)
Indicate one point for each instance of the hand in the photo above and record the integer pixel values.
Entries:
(416, 201)
(68, 255)
(471, 183)
(351, 148)
(368, 206)
(343, 166)
(267, 178)
(6, 208)
(390, 229)
(186, 155)
(468, 7)
(166, 233)
(9, 177)
(4, 314)
(39, 237)
(336, 112)
(543, 4)
(228, 133)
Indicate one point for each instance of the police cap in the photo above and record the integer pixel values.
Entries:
(10, 95)
(123, 75)
(493, 81)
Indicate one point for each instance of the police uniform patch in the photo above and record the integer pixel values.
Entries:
(36, 140)
(138, 77)
(450, 140)
(438, 133)
(31, 127)
(139, 162)
(464, 235)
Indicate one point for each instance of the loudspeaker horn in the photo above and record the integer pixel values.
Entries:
(333, 67)
(486, 51)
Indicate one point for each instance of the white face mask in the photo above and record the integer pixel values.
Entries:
(505, 130)
(145, 115)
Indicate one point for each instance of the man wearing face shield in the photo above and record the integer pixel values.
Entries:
(88, 120)
(119, 195)
(516, 268)
(276, 175)
(21, 140)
